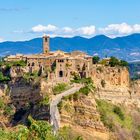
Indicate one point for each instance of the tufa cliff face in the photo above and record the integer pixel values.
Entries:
(109, 81)
(16, 71)
(105, 77)
(135, 87)
(3, 89)
(81, 114)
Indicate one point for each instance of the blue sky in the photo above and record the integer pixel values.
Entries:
(26, 19)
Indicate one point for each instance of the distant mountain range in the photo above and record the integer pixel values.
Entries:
(127, 47)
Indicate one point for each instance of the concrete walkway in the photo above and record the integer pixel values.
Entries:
(54, 113)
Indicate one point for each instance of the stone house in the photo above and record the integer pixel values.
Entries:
(58, 65)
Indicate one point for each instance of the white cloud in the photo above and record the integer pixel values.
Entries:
(135, 54)
(68, 30)
(136, 28)
(111, 30)
(95, 54)
(64, 31)
(88, 30)
(1, 39)
(114, 30)
(41, 28)
(117, 28)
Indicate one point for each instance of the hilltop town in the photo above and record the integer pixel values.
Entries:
(58, 65)
(73, 92)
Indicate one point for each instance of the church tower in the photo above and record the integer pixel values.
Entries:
(46, 44)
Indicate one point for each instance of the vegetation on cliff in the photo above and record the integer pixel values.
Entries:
(112, 115)
(84, 91)
(95, 59)
(30, 76)
(4, 78)
(116, 62)
(87, 82)
(119, 120)
(112, 61)
(5, 108)
(60, 87)
(13, 63)
(38, 130)
(5, 68)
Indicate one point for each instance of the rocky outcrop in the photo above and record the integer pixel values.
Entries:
(135, 87)
(3, 89)
(23, 94)
(105, 77)
(83, 114)
(16, 71)
(113, 84)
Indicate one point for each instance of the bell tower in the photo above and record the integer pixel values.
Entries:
(46, 44)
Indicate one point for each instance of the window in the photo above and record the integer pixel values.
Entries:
(61, 60)
(33, 64)
(60, 73)
(46, 40)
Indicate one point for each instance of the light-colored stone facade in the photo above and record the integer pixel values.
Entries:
(58, 65)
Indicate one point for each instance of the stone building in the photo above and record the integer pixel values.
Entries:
(58, 65)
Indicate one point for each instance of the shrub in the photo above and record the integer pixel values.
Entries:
(112, 116)
(88, 85)
(28, 76)
(113, 61)
(104, 62)
(95, 59)
(45, 101)
(123, 63)
(76, 96)
(104, 108)
(21, 63)
(3, 78)
(117, 110)
(116, 62)
(85, 90)
(40, 130)
(136, 133)
(99, 69)
(8, 65)
(8, 110)
(67, 133)
(86, 81)
(60, 105)
(59, 88)
(76, 78)
(1, 104)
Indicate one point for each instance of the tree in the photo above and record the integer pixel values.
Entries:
(113, 61)
(123, 63)
(95, 59)
(3, 78)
